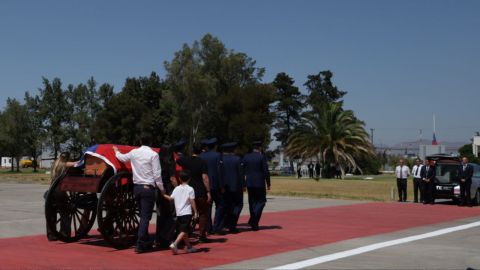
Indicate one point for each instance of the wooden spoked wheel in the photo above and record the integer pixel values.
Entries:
(70, 215)
(118, 212)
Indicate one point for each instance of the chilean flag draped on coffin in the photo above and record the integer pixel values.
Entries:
(105, 152)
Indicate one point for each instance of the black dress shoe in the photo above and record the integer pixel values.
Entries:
(141, 250)
(144, 248)
(204, 240)
(233, 230)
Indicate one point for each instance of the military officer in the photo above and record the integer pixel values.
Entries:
(213, 159)
(231, 172)
(257, 179)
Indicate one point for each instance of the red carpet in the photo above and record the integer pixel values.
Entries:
(282, 231)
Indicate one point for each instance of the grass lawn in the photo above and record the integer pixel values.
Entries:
(25, 176)
(356, 188)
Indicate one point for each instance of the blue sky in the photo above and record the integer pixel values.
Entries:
(400, 61)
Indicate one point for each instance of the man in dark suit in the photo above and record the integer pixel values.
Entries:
(317, 170)
(465, 173)
(428, 176)
(231, 172)
(310, 169)
(257, 177)
(217, 187)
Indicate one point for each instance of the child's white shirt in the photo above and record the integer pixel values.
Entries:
(181, 196)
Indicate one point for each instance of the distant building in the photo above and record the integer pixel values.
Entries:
(46, 159)
(476, 146)
(427, 150)
(6, 162)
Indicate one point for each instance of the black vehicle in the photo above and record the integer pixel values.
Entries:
(447, 181)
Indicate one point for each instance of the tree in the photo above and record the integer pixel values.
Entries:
(84, 104)
(467, 151)
(288, 107)
(331, 134)
(321, 89)
(55, 113)
(35, 131)
(191, 90)
(133, 112)
(211, 89)
(14, 130)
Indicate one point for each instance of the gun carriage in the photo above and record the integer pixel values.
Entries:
(102, 189)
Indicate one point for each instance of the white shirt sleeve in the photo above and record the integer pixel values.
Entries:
(191, 194)
(157, 171)
(123, 157)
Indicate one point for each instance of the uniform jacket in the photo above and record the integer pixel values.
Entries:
(231, 173)
(256, 170)
(213, 159)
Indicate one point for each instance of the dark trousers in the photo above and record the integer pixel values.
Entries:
(233, 208)
(219, 219)
(429, 192)
(257, 198)
(165, 227)
(145, 197)
(310, 173)
(465, 192)
(418, 188)
(402, 189)
(203, 208)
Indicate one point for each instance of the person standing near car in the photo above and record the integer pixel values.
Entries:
(465, 173)
(402, 172)
(428, 176)
(417, 181)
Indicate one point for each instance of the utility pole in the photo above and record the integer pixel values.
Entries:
(371, 135)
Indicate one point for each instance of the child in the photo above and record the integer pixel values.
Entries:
(184, 199)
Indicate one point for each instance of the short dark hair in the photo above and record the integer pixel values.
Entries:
(197, 149)
(184, 175)
(146, 139)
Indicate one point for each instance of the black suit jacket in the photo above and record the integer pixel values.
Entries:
(428, 174)
(465, 174)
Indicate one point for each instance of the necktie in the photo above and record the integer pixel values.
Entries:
(401, 172)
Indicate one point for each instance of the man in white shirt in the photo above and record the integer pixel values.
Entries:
(402, 172)
(146, 175)
(417, 180)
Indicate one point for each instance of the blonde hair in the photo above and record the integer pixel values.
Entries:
(59, 166)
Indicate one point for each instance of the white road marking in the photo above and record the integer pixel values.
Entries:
(364, 249)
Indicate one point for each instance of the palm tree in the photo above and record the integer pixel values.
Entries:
(331, 133)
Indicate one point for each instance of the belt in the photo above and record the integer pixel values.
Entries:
(144, 186)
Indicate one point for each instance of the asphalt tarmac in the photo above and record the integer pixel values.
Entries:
(22, 215)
